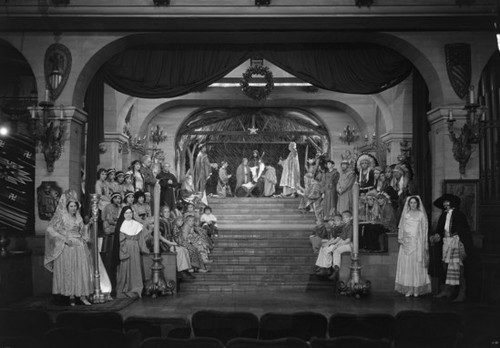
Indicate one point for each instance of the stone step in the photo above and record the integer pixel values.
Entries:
(257, 209)
(258, 277)
(268, 234)
(273, 222)
(255, 288)
(261, 268)
(242, 250)
(262, 259)
(264, 216)
(253, 200)
(264, 226)
(262, 243)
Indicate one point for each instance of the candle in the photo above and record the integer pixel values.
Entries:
(450, 115)
(483, 116)
(61, 112)
(366, 137)
(32, 113)
(471, 95)
(156, 209)
(46, 97)
(355, 218)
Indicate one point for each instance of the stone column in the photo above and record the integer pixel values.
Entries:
(67, 169)
(444, 166)
(393, 141)
(112, 150)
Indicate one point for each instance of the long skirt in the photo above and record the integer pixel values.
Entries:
(130, 283)
(73, 272)
(411, 275)
(195, 256)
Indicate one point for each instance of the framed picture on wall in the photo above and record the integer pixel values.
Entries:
(468, 191)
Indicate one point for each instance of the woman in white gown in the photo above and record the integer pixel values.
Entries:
(411, 273)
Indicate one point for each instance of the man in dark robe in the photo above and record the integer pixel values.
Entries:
(243, 176)
(148, 177)
(330, 180)
(202, 170)
(450, 247)
(168, 183)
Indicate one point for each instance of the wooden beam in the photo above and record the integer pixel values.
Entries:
(239, 133)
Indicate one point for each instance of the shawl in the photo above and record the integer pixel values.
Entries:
(56, 233)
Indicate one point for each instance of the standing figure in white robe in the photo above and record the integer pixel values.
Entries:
(411, 272)
(290, 177)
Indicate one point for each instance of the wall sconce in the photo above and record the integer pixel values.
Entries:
(262, 2)
(349, 135)
(49, 135)
(470, 133)
(161, 2)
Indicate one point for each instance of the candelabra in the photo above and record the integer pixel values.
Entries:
(470, 133)
(49, 135)
(349, 135)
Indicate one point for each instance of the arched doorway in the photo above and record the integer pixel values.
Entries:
(231, 134)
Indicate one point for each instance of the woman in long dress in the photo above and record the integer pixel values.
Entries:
(66, 251)
(411, 273)
(129, 243)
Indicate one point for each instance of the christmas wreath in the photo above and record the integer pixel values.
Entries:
(257, 93)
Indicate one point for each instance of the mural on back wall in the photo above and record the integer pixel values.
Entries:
(17, 170)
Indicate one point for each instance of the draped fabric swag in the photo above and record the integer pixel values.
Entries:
(169, 71)
(94, 106)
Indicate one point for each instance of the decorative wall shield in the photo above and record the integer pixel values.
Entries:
(458, 65)
(57, 66)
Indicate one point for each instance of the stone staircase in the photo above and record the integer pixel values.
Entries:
(263, 245)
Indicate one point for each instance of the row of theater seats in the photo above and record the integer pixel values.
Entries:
(32, 328)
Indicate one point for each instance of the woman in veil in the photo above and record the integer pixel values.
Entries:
(66, 251)
(413, 258)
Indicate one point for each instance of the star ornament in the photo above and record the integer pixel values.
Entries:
(253, 130)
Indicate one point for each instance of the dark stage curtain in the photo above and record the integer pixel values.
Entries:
(170, 71)
(348, 68)
(420, 145)
(94, 106)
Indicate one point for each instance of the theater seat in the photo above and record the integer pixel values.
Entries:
(65, 337)
(87, 320)
(370, 325)
(349, 342)
(19, 342)
(224, 325)
(287, 342)
(303, 325)
(32, 323)
(159, 327)
(422, 329)
(194, 342)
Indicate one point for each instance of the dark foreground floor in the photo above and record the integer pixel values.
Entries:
(481, 329)
(482, 321)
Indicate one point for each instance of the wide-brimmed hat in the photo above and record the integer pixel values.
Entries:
(454, 201)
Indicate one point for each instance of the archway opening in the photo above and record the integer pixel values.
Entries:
(231, 134)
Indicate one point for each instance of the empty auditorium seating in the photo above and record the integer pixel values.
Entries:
(371, 325)
(64, 337)
(224, 325)
(195, 342)
(32, 323)
(90, 320)
(159, 327)
(288, 342)
(303, 325)
(422, 329)
(349, 342)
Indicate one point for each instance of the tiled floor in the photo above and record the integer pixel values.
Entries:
(482, 321)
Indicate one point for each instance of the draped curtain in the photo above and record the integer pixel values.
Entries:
(94, 106)
(160, 71)
(420, 144)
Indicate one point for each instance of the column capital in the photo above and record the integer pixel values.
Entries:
(440, 114)
(117, 137)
